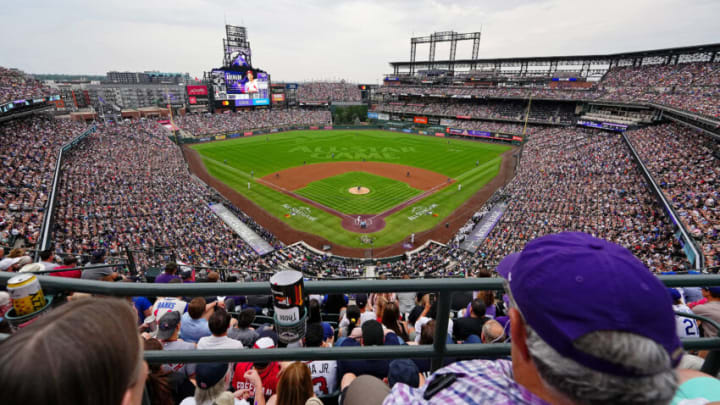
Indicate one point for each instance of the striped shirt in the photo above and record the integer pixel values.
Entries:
(478, 382)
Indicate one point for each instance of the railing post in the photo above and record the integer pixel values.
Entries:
(441, 329)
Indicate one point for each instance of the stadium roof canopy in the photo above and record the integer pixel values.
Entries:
(708, 52)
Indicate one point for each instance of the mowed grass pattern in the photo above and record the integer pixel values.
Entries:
(333, 192)
(471, 163)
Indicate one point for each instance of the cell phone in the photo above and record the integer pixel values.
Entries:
(438, 384)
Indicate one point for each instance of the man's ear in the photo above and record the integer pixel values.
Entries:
(518, 333)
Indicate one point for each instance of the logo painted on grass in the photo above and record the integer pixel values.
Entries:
(419, 211)
(359, 153)
(299, 211)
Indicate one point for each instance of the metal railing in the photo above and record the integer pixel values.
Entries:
(47, 223)
(437, 352)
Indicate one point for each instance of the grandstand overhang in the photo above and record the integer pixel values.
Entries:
(587, 64)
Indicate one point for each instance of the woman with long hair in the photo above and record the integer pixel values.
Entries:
(157, 384)
(97, 357)
(294, 386)
(391, 320)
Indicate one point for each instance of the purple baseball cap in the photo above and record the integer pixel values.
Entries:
(570, 284)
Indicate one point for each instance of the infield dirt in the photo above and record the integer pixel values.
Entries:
(298, 177)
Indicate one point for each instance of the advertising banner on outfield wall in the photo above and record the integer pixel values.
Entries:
(440, 134)
(517, 138)
(383, 116)
(314, 128)
(468, 132)
(372, 115)
(422, 133)
(420, 120)
(328, 127)
(247, 133)
(219, 137)
(234, 135)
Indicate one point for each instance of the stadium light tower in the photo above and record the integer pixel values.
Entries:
(444, 36)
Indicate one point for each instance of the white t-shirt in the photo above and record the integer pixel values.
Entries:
(191, 401)
(686, 327)
(324, 376)
(164, 305)
(214, 342)
(422, 321)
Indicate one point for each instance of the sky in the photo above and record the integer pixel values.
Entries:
(332, 39)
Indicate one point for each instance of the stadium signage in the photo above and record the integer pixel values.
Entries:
(463, 117)
(610, 126)
(420, 120)
(197, 90)
(383, 116)
(247, 133)
(417, 212)
(372, 115)
(300, 211)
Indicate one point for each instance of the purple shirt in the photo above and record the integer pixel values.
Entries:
(165, 278)
(478, 382)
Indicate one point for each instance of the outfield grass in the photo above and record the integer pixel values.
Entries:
(472, 164)
(333, 192)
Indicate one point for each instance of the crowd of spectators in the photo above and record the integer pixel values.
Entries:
(28, 154)
(202, 124)
(323, 92)
(629, 349)
(693, 87)
(540, 111)
(128, 184)
(16, 85)
(686, 165)
(582, 180)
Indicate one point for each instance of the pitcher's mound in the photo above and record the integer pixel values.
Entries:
(359, 190)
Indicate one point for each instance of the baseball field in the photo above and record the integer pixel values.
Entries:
(352, 186)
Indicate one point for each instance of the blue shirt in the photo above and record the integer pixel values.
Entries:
(191, 330)
(141, 305)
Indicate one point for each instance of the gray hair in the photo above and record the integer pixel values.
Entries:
(586, 386)
(493, 331)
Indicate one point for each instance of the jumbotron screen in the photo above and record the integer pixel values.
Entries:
(244, 88)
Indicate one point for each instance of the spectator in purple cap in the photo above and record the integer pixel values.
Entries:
(710, 309)
(580, 333)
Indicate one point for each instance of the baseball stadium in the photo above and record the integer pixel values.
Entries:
(510, 215)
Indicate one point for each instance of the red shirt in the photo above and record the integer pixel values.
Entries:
(69, 274)
(269, 377)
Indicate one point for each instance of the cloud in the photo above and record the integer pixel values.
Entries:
(325, 39)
